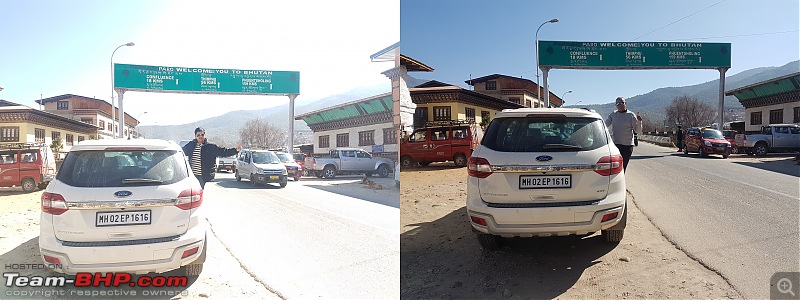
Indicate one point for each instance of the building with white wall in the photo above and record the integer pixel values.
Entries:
(774, 101)
(89, 110)
(23, 124)
(366, 124)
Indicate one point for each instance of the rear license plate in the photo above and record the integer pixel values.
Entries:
(139, 217)
(545, 181)
(273, 178)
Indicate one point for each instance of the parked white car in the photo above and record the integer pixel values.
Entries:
(546, 172)
(260, 167)
(123, 206)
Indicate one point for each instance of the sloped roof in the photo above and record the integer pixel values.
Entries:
(432, 83)
(413, 65)
(373, 105)
(779, 85)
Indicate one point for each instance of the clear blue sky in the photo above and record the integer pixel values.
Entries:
(462, 37)
(50, 48)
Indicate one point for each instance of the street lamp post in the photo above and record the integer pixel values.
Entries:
(562, 97)
(113, 120)
(538, 88)
(137, 124)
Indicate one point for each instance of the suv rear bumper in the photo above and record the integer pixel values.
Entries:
(561, 221)
(164, 256)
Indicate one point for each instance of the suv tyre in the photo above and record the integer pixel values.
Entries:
(329, 172)
(615, 233)
(489, 242)
(28, 185)
(460, 160)
(383, 171)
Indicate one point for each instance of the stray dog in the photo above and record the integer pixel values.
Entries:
(371, 184)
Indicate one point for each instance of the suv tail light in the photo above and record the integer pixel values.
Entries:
(609, 165)
(53, 204)
(189, 199)
(479, 167)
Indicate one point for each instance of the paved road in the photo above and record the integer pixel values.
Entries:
(313, 238)
(738, 216)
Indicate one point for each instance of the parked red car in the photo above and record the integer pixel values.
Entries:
(440, 142)
(706, 141)
(30, 166)
(730, 136)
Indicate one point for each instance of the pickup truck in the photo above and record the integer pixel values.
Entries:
(351, 161)
(226, 164)
(772, 138)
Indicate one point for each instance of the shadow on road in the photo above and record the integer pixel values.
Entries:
(433, 167)
(388, 196)
(441, 260)
(787, 166)
(27, 253)
(244, 184)
(638, 157)
(11, 191)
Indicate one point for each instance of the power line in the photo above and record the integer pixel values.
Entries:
(662, 27)
(728, 36)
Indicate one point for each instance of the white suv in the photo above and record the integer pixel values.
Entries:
(546, 172)
(123, 206)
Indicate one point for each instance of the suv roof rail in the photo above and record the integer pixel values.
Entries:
(22, 145)
(449, 123)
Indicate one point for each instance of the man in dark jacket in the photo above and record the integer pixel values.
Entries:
(202, 156)
(679, 138)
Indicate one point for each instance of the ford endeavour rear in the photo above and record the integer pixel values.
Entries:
(123, 206)
(546, 172)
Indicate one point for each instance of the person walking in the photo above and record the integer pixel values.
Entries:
(679, 137)
(202, 156)
(624, 124)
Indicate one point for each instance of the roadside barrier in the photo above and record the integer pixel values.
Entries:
(658, 140)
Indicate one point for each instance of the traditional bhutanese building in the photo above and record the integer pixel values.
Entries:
(513, 89)
(88, 110)
(366, 123)
(774, 101)
(23, 124)
(437, 101)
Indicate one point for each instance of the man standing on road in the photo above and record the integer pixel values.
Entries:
(203, 154)
(624, 124)
(679, 138)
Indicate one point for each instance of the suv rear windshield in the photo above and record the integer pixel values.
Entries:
(542, 134)
(97, 168)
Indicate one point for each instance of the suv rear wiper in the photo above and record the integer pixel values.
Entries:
(560, 146)
(141, 180)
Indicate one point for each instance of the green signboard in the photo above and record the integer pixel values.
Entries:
(633, 55)
(205, 81)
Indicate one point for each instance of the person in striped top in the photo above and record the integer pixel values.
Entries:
(202, 155)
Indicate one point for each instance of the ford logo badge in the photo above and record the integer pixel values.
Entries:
(123, 193)
(544, 158)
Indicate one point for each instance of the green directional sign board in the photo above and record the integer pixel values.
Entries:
(633, 55)
(205, 80)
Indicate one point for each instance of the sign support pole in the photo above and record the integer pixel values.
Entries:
(545, 70)
(121, 112)
(290, 138)
(721, 109)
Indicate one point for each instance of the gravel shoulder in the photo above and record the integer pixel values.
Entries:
(441, 258)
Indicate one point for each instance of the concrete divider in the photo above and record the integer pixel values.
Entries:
(658, 140)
